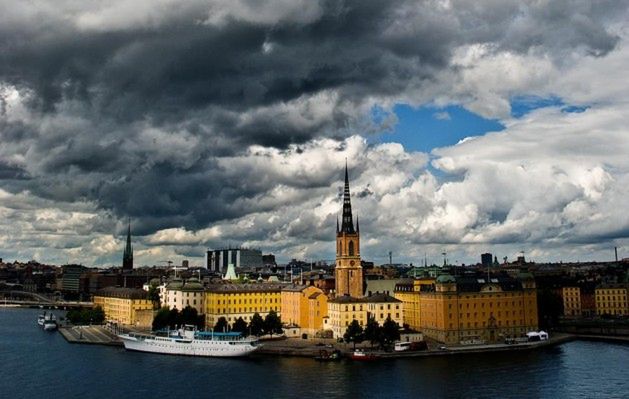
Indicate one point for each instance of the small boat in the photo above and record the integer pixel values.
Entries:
(325, 356)
(50, 322)
(361, 355)
(41, 318)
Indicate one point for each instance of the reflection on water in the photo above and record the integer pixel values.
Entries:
(37, 363)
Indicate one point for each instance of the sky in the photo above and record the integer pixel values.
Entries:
(468, 127)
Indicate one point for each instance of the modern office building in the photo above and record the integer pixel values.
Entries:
(217, 260)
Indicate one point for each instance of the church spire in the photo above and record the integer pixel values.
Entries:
(127, 256)
(347, 225)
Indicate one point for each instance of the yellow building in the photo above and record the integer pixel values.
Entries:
(240, 300)
(303, 306)
(180, 294)
(471, 309)
(343, 310)
(571, 301)
(611, 299)
(125, 306)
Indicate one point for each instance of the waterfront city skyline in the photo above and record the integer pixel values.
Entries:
(466, 128)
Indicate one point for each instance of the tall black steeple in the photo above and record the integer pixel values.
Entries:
(127, 256)
(347, 225)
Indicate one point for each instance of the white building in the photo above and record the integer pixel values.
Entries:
(180, 293)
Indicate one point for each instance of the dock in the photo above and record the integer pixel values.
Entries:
(94, 335)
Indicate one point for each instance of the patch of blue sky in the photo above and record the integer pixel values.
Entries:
(428, 127)
(522, 105)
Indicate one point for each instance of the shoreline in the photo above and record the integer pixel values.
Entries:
(291, 347)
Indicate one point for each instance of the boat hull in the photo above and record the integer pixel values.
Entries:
(204, 348)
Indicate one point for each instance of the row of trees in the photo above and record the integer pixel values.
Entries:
(271, 324)
(171, 318)
(94, 315)
(384, 335)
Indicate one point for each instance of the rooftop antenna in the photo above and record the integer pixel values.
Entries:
(445, 262)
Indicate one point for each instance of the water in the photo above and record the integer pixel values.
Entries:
(38, 364)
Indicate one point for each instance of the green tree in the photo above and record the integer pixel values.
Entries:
(256, 325)
(153, 296)
(161, 319)
(390, 332)
(372, 331)
(272, 323)
(174, 318)
(221, 325)
(354, 333)
(240, 326)
(549, 308)
(94, 315)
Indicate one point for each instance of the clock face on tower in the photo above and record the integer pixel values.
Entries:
(351, 263)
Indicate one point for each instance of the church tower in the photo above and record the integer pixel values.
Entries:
(348, 272)
(127, 256)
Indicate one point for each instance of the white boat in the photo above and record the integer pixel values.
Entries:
(49, 323)
(188, 341)
(41, 318)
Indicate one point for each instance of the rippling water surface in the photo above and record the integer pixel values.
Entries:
(38, 364)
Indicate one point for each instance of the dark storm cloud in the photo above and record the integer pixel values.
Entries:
(134, 117)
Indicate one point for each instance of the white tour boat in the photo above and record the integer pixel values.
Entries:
(189, 341)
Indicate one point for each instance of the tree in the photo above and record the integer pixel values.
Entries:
(549, 308)
(153, 296)
(372, 331)
(354, 333)
(221, 325)
(174, 318)
(161, 319)
(256, 325)
(272, 323)
(240, 326)
(95, 315)
(189, 315)
(390, 331)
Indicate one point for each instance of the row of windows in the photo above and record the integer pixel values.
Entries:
(468, 315)
(247, 301)
(249, 310)
(611, 291)
(482, 305)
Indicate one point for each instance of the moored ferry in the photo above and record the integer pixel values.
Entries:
(188, 341)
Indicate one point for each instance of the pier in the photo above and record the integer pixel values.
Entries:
(94, 335)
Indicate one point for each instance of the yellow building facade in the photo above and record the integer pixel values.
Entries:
(305, 307)
(469, 309)
(240, 300)
(125, 305)
(343, 310)
(611, 300)
(571, 297)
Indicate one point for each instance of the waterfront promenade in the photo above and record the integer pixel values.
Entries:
(295, 347)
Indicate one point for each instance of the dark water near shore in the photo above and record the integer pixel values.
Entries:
(38, 364)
